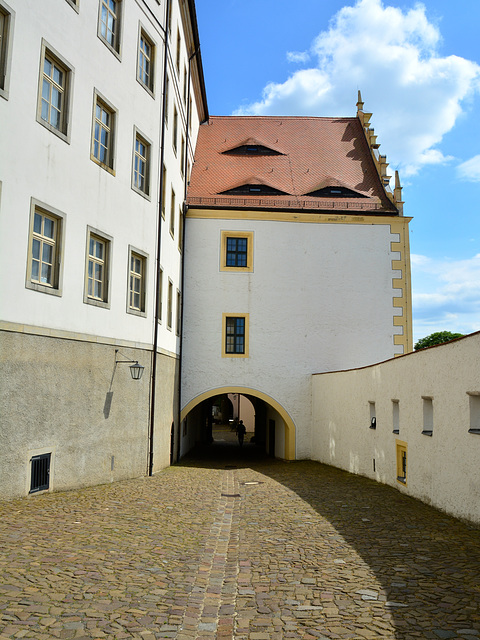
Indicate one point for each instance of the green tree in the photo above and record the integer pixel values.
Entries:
(436, 338)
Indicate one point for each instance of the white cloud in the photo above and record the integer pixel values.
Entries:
(453, 299)
(391, 55)
(470, 170)
(298, 56)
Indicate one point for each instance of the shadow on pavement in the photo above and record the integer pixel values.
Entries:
(426, 562)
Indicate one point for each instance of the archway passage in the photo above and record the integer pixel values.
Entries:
(211, 419)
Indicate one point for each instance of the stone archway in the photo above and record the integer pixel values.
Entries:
(288, 422)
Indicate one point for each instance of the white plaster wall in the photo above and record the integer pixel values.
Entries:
(319, 298)
(444, 469)
(37, 163)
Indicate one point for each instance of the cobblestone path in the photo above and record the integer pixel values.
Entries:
(237, 547)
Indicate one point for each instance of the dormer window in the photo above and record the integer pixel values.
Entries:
(253, 190)
(335, 192)
(252, 150)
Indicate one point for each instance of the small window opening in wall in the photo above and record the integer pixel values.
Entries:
(396, 416)
(40, 472)
(427, 416)
(373, 417)
(402, 462)
(474, 399)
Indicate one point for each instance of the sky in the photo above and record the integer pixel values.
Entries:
(418, 68)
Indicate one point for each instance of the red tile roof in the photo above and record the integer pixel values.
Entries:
(315, 153)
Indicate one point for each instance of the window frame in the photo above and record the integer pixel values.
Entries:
(74, 4)
(141, 311)
(107, 240)
(116, 46)
(401, 448)
(60, 219)
(150, 85)
(99, 99)
(225, 317)
(142, 139)
(49, 53)
(175, 129)
(172, 212)
(178, 52)
(224, 235)
(6, 45)
(170, 305)
(179, 310)
(167, 95)
(160, 294)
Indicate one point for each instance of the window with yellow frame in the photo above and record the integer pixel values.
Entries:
(235, 341)
(401, 448)
(236, 253)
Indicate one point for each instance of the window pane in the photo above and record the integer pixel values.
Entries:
(37, 223)
(47, 253)
(58, 76)
(35, 267)
(36, 249)
(46, 274)
(48, 228)
(46, 90)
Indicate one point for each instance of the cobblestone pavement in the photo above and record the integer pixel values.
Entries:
(237, 547)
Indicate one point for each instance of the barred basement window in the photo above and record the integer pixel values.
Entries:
(40, 472)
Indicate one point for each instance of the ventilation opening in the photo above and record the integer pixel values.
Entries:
(335, 192)
(253, 190)
(40, 472)
(252, 150)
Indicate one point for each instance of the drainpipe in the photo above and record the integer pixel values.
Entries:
(182, 262)
(158, 256)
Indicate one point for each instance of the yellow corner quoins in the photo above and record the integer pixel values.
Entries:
(403, 321)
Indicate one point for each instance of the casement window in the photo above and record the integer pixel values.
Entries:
(164, 191)
(236, 253)
(182, 156)
(141, 164)
(97, 272)
(185, 84)
(177, 59)
(137, 269)
(175, 129)
(7, 19)
(146, 61)
(179, 312)
(190, 114)
(109, 24)
(180, 229)
(170, 305)
(474, 405)
(103, 134)
(235, 335)
(167, 92)
(401, 455)
(160, 294)
(54, 91)
(45, 249)
(172, 214)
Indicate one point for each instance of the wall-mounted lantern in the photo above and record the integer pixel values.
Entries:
(136, 369)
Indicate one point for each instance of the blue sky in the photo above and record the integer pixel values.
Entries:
(418, 67)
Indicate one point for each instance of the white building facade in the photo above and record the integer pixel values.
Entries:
(100, 104)
(323, 282)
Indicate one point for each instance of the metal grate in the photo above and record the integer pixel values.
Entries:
(40, 472)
